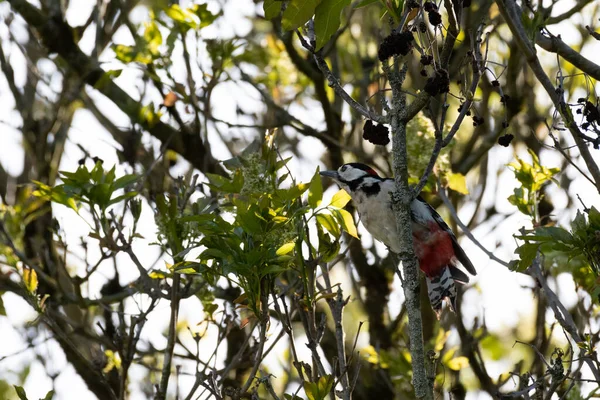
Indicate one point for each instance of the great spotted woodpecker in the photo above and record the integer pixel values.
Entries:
(434, 242)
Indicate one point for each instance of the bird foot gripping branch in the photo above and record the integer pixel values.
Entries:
(435, 244)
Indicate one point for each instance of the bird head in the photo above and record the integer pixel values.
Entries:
(350, 176)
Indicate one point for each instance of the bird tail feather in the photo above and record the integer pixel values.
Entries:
(442, 287)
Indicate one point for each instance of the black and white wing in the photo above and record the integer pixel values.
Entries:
(460, 254)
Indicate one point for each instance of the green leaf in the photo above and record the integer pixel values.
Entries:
(20, 392)
(106, 77)
(327, 250)
(365, 3)
(315, 190)
(458, 363)
(210, 308)
(188, 267)
(272, 8)
(556, 233)
(319, 390)
(291, 397)
(49, 395)
(293, 192)
(206, 17)
(458, 183)
(286, 248)
(327, 19)
(340, 199)
(184, 18)
(124, 181)
(594, 216)
(122, 197)
(297, 13)
(148, 116)
(347, 222)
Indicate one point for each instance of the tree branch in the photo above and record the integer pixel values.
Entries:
(554, 44)
(512, 15)
(401, 201)
(57, 36)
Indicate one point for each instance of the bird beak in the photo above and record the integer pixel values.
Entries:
(330, 174)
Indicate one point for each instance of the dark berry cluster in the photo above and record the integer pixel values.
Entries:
(460, 108)
(426, 59)
(435, 18)
(505, 139)
(477, 120)
(396, 43)
(376, 134)
(505, 99)
(590, 111)
(439, 83)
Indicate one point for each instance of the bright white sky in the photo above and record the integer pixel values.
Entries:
(497, 294)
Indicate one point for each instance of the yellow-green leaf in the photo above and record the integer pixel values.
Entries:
(458, 363)
(315, 191)
(340, 199)
(286, 248)
(458, 183)
(30, 280)
(328, 222)
(113, 361)
(157, 275)
(347, 222)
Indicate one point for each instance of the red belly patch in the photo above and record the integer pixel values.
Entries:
(433, 248)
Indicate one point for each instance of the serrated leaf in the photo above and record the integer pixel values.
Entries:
(458, 183)
(272, 8)
(458, 363)
(527, 253)
(286, 248)
(340, 199)
(328, 19)
(297, 13)
(315, 190)
(347, 222)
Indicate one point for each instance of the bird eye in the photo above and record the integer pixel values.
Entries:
(343, 168)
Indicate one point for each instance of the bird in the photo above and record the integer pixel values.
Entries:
(434, 243)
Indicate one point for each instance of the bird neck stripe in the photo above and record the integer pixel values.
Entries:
(356, 183)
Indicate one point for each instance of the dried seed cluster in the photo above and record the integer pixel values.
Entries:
(397, 43)
(376, 134)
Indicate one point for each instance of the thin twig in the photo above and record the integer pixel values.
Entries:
(465, 229)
